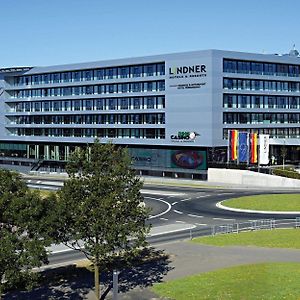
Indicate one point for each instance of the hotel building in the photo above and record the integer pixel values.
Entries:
(172, 111)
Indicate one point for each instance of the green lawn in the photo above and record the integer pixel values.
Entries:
(44, 193)
(277, 238)
(275, 202)
(258, 281)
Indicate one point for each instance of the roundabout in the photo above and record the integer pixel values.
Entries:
(288, 204)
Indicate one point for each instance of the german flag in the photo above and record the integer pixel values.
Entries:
(233, 136)
(253, 148)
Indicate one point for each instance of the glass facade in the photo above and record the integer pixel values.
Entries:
(260, 68)
(265, 106)
(154, 69)
(67, 104)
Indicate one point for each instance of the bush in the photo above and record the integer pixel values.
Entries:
(289, 173)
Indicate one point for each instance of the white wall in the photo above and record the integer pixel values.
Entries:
(249, 178)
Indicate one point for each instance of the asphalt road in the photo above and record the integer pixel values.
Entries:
(177, 212)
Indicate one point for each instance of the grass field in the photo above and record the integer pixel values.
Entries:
(44, 193)
(275, 202)
(277, 238)
(274, 281)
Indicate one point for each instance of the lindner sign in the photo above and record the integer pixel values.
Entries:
(187, 75)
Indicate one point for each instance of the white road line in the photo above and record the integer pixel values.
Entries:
(200, 224)
(203, 196)
(174, 202)
(222, 219)
(160, 193)
(185, 199)
(194, 216)
(162, 213)
(178, 212)
(180, 222)
(222, 194)
(163, 219)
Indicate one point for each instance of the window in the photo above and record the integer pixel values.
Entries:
(77, 104)
(161, 86)
(112, 104)
(136, 87)
(76, 76)
(123, 72)
(136, 103)
(150, 103)
(136, 71)
(100, 104)
(56, 77)
(160, 69)
(229, 66)
(88, 75)
(149, 70)
(99, 74)
(88, 104)
(124, 103)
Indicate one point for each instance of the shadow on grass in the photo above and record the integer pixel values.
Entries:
(73, 282)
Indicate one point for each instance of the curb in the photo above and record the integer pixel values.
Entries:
(219, 205)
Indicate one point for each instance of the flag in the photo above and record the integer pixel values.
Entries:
(263, 149)
(243, 147)
(253, 148)
(232, 144)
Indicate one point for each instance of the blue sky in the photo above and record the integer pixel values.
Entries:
(48, 32)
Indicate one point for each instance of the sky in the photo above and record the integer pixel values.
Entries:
(53, 32)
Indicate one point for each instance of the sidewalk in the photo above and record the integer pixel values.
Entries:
(189, 259)
(185, 258)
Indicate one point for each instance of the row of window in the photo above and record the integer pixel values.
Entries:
(148, 133)
(255, 101)
(97, 74)
(260, 118)
(151, 102)
(260, 68)
(91, 119)
(133, 87)
(260, 85)
(273, 132)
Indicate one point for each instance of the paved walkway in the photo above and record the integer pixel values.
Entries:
(185, 258)
(189, 259)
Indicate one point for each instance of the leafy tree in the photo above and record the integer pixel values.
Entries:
(100, 206)
(283, 153)
(21, 246)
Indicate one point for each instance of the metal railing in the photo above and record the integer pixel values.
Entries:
(266, 224)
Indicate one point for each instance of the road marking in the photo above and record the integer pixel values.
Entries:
(194, 216)
(222, 194)
(180, 222)
(163, 219)
(200, 224)
(178, 212)
(38, 182)
(222, 219)
(160, 193)
(185, 199)
(170, 231)
(203, 196)
(174, 202)
(162, 213)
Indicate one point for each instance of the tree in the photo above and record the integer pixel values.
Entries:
(21, 246)
(283, 153)
(100, 206)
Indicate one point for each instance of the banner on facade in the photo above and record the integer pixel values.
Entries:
(243, 147)
(263, 149)
(253, 148)
(232, 144)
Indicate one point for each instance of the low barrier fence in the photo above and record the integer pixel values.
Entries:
(267, 224)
